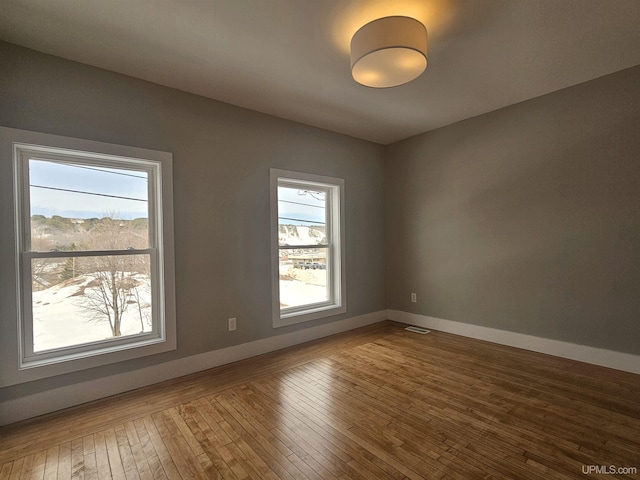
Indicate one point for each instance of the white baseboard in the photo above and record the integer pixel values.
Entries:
(64, 397)
(597, 356)
(76, 394)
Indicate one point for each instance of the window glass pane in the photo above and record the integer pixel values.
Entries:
(303, 276)
(78, 300)
(85, 207)
(301, 216)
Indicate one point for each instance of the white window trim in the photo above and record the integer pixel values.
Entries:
(336, 239)
(28, 366)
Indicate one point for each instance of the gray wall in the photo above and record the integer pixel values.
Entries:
(525, 219)
(222, 155)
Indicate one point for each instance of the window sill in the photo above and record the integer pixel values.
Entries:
(311, 314)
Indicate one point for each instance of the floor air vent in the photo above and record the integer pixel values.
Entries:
(423, 331)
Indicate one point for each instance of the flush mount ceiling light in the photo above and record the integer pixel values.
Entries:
(389, 52)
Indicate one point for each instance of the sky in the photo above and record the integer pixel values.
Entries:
(300, 207)
(84, 191)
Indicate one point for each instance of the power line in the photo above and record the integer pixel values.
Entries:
(109, 171)
(298, 203)
(98, 169)
(89, 193)
(312, 193)
(300, 220)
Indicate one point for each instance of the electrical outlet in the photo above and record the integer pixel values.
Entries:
(232, 324)
(414, 298)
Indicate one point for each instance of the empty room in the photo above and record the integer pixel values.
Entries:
(319, 239)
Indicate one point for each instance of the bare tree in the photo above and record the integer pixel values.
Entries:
(106, 296)
(114, 286)
(141, 291)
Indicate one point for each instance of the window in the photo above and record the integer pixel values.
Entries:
(307, 247)
(94, 246)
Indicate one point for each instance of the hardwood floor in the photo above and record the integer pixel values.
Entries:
(378, 402)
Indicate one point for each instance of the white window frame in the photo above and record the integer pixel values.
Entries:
(158, 165)
(336, 277)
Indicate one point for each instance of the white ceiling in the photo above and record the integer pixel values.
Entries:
(290, 58)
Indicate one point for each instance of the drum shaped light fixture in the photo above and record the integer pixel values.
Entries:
(389, 52)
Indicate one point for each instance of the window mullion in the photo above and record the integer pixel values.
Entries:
(303, 247)
(88, 253)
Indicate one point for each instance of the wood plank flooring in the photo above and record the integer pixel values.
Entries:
(375, 403)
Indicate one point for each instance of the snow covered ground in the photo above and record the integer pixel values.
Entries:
(59, 319)
(294, 293)
(301, 235)
(301, 287)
